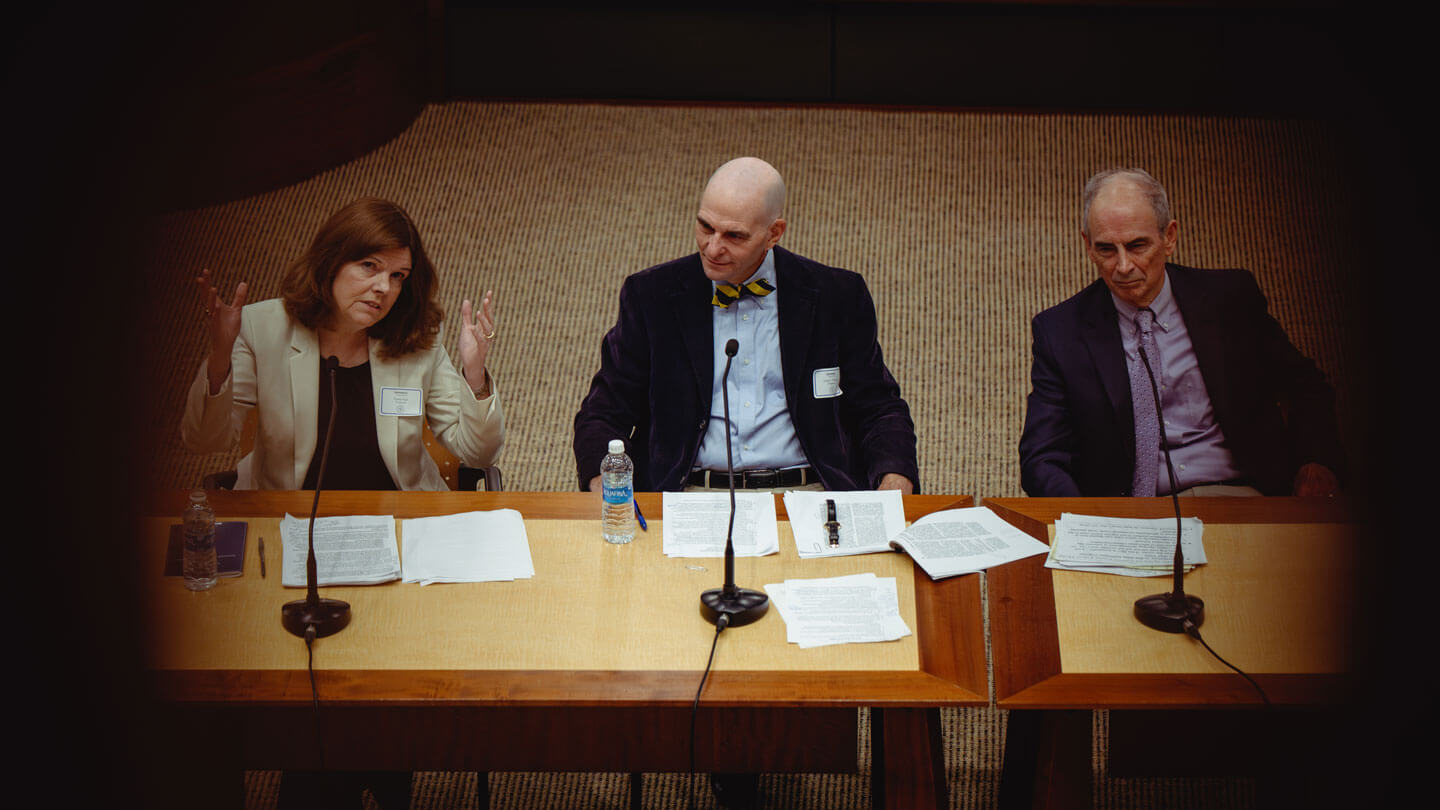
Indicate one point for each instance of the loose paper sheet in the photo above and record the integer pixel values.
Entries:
(467, 547)
(695, 524)
(839, 610)
(867, 521)
(1136, 547)
(963, 541)
(349, 550)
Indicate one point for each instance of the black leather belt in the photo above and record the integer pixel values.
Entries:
(754, 479)
(1233, 482)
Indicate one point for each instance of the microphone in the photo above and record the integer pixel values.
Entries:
(326, 616)
(1172, 612)
(731, 606)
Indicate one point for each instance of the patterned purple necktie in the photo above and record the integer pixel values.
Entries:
(1147, 427)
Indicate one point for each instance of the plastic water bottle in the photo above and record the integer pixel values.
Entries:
(617, 478)
(198, 563)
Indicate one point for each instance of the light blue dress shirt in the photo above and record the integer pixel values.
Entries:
(1197, 445)
(762, 434)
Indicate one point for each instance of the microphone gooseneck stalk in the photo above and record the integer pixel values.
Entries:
(322, 617)
(731, 605)
(1172, 612)
(731, 347)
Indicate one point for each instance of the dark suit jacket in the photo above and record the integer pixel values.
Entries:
(657, 373)
(1272, 403)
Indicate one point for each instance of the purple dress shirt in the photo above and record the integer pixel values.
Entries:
(1197, 445)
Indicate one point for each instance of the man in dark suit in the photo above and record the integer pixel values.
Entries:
(811, 400)
(1244, 411)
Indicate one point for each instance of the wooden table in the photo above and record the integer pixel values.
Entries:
(1279, 598)
(591, 665)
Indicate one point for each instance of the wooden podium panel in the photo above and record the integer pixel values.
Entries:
(1269, 559)
(1279, 597)
(591, 605)
(1278, 600)
(592, 664)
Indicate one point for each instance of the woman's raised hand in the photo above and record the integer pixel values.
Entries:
(477, 330)
(224, 322)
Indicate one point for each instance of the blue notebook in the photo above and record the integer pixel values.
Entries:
(229, 548)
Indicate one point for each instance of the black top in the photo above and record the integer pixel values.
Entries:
(355, 461)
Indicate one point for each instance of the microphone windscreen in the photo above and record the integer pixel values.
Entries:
(332, 362)
(731, 347)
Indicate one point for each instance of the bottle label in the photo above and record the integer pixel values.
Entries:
(618, 494)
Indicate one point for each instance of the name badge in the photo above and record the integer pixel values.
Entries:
(400, 401)
(826, 383)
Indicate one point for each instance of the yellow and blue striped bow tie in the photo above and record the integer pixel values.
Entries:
(727, 294)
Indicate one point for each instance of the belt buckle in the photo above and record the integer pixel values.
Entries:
(762, 479)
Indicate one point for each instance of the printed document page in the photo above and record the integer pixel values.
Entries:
(867, 521)
(1136, 547)
(466, 547)
(963, 541)
(349, 550)
(695, 524)
(839, 610)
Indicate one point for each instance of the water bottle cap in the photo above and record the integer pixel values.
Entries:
(197, 496)
(617, 447)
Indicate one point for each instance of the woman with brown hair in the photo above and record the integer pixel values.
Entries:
(363, 294)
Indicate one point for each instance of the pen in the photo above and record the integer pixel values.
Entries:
(832, 526)
(639, 518)
(262, 558)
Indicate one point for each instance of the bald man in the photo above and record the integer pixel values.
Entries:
(1245, 412)
(811, 402)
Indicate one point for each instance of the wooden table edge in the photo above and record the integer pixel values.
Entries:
(561, 688)
(1180, 691)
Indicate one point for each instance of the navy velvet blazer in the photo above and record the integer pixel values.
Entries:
(657, 372)
(1272, 403)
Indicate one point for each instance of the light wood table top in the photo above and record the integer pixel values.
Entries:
(598, 625)
(1279, 590)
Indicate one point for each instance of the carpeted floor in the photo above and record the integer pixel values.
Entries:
(964, 225)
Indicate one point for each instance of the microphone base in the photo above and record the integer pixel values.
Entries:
(1168, 612)
(327, 616)
(743, 606)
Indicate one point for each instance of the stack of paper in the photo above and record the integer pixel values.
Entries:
(349, 550)
(468, 547)
(1133, 547)
(839, 610)
(867, 521)
(695, 524)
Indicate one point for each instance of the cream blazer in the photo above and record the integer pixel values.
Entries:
(275, 366)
